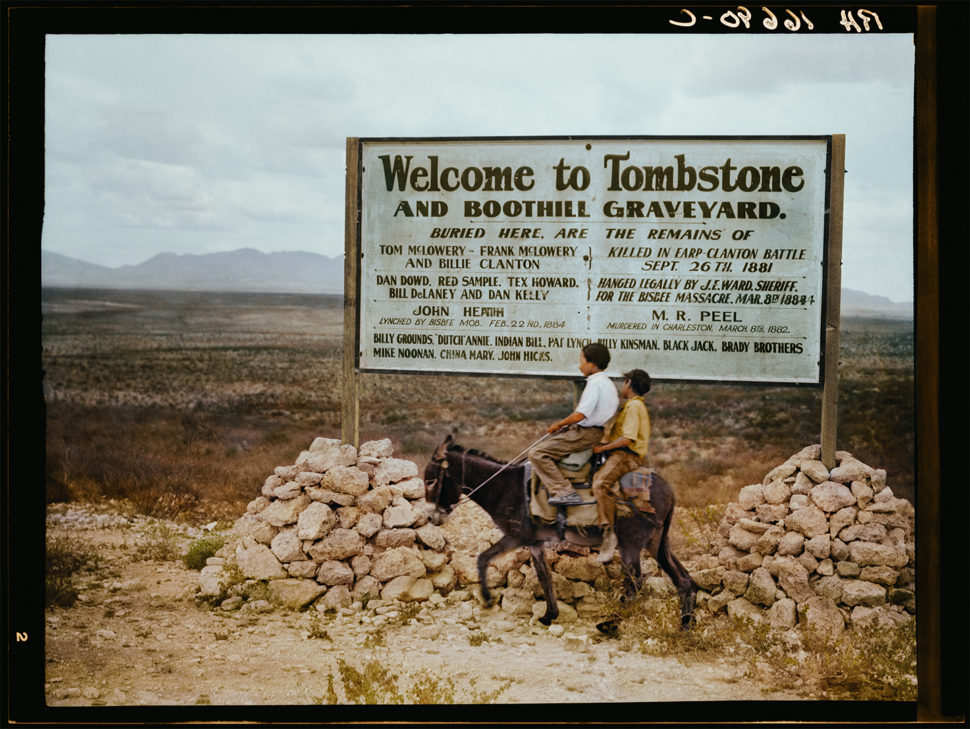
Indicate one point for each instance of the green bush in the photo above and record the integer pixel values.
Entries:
(200, 551)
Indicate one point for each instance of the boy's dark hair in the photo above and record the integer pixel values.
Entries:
(598, 354)
(639, 381)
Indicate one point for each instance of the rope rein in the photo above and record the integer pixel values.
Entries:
(464, 455)
(513, 462)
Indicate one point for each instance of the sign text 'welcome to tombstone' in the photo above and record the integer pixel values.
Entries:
(692, 258)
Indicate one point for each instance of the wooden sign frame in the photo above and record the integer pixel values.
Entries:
(830, 306)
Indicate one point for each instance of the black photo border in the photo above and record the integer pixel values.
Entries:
(941, 329)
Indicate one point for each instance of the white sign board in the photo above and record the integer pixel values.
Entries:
(692, 258)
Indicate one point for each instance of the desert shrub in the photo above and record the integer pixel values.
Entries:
(251, 590)
(374, 683)
(200, 550)
(698, 526)
(145, 458)
(233, 582)
(866, 664)
(64, 558)
(59, 590)
(317, 627)
(159, 542)
(654, 627)
(405, 614)
(873, 663)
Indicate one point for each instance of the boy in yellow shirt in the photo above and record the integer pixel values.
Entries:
(626, 446)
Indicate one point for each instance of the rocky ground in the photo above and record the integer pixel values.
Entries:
(139, 636)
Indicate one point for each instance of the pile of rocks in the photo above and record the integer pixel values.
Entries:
(810, 545)
(338, 525)
(342, 525)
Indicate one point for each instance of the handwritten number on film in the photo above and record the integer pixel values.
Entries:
(743, 16)
(850, 23)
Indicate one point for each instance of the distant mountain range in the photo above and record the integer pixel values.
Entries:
(858, 303)
(245, 270)
(249, 270)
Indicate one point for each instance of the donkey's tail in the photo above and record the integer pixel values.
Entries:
(666, 559)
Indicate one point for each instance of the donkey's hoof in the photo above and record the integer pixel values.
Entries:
(546, 620)
(609, 627)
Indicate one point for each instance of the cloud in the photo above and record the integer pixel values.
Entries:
(761, 66)
(144, 193)
(186, 143)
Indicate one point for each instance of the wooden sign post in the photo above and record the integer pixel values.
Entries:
(350, 389)
(830, 384)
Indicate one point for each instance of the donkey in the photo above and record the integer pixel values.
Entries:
(454, 471)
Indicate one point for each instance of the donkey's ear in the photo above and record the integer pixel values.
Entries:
(442, 450)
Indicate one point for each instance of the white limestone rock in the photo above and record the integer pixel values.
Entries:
(396, 562)
(376, 448)
(393, 470)
(822, 616)
(294, 594)
(830, 496)
(867, 553)
(810, 521)
(345, 480)
(256, 561)
(751, 496)
(316, 521)
(333, 572)
(287, 547)
(860, 592)
(283, 513)
(339, 544)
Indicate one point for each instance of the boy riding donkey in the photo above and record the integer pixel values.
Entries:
(626, 446)
(626, 441)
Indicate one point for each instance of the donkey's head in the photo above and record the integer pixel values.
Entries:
(441, 489)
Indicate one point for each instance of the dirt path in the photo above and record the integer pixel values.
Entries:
(137, 636)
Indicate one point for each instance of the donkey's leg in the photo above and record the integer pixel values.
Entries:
(502, 545)
(545, 579)
(631, 540)
(630, 550)
(686, 587)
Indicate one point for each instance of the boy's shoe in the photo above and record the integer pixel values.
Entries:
(608, 547)
(570, 499)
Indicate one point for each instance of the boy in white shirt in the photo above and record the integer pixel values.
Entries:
(581, 429)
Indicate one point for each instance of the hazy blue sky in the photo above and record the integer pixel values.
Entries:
(198, 144)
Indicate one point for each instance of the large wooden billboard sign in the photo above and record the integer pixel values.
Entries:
(700, 259)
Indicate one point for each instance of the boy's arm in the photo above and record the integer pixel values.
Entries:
(574, 417)
(612, 445)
